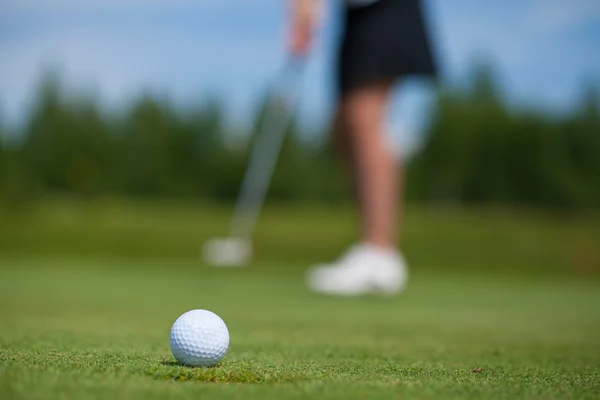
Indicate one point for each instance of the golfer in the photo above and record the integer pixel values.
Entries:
(382, 42)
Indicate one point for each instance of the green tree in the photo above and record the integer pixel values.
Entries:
(479, 152)
(3, 165)
(217, 167)
(582, 141)
(465, 151)
(67, 144)
(476, 151)
(165, 153)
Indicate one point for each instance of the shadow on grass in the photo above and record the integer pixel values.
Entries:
(172, 364)
(226, 372)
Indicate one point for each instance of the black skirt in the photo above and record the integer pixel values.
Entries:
(383, 41)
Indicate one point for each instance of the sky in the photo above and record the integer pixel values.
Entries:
(188, 50)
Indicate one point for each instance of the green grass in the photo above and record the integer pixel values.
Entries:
(85, 328)
(502, 304)
(474, 240)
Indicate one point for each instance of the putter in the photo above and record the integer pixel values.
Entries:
(236, 250)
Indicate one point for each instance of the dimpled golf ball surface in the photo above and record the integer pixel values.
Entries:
(199, 338)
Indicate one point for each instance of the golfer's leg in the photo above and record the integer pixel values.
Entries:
(375, 265)
(374, 168)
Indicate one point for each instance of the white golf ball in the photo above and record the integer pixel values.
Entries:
(199, 338)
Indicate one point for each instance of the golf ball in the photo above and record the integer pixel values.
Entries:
(199, 338)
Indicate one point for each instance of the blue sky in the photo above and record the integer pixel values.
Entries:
(184, 49)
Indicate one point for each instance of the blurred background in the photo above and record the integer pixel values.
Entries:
(125, 129)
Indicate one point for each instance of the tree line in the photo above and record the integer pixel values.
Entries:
(476, 150)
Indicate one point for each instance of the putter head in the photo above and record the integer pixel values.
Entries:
(227, 252)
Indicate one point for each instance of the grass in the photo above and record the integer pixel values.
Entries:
(474, 240)
(501, 305)
(99, 329)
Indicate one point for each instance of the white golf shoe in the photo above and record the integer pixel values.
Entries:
(364, 269)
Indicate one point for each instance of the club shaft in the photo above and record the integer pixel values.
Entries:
(264, 156)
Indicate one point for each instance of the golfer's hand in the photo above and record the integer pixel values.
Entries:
(302, 26)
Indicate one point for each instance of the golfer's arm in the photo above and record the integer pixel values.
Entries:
(306, 10)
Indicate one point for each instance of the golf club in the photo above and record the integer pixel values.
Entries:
(236, 250)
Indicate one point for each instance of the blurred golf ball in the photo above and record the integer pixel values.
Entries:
(199, 338)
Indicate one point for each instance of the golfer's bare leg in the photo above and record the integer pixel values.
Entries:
(373, 166)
